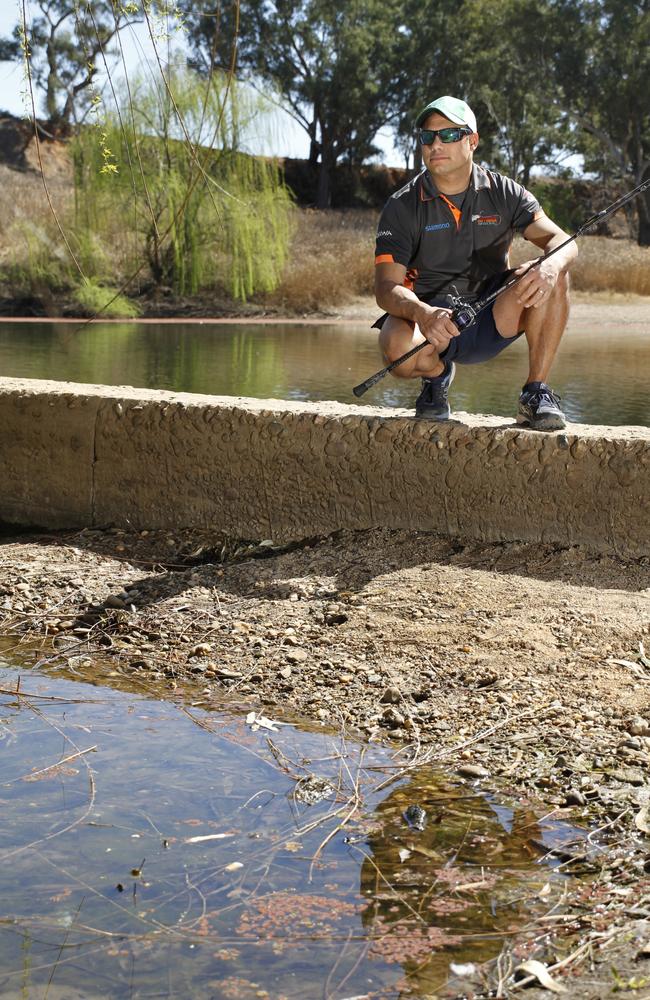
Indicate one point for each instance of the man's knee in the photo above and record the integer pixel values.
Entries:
(397, 336)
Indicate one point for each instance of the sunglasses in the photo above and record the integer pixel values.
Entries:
(428, 135)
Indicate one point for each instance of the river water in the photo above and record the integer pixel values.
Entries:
(601, 372)
(157, 848)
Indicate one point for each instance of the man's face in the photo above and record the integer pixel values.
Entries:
(443, 158)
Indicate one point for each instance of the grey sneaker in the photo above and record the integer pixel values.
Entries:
(539, 407)
(432, 403)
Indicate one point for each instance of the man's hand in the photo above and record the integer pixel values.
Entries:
(534, 289)
(436, 326)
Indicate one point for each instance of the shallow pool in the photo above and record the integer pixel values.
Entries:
(154, 848)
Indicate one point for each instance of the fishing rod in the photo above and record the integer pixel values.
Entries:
(465, 314)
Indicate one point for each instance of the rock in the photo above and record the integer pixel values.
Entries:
(628, 775)
(201, 649)
(114, 602)
(415, 816)
(297, 655)
(285, 672)
(473, 771)
(639, 727)
(575, 798)
(391, 717)
(391, 696)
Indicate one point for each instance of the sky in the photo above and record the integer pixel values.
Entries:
(286, 137)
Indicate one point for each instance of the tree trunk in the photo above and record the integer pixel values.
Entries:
(53, 85)
(324, 190)
(325, 174)
(314, 145)
(643, 237)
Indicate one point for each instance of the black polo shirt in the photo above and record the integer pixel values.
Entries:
(454, 244)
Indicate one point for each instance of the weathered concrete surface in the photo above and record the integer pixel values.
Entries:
(75, 455)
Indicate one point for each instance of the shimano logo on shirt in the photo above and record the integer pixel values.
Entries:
(435, 226)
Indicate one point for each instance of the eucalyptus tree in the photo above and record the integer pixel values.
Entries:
(429, 60)
(67, 42)
(606, 88)
(512, 52)
(329, 63)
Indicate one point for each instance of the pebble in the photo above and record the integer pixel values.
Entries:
(473, 771)
(114, 602)
(639, 727)
(575, 798)
(391, 696)
(297, 655)
(392, 717)
(629, 776)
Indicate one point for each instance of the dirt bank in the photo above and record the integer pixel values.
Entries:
(522, 667)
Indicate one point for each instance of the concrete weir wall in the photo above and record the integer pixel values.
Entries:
(81, 455)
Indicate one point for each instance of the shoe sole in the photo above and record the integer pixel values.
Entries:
(439, 417)
(548, 423)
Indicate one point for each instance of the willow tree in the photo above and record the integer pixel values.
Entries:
(165, 175)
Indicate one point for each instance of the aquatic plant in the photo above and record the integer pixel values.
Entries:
(290, 915)
(407, 941)
(95, 298)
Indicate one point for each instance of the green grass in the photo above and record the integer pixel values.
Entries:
(100, 300)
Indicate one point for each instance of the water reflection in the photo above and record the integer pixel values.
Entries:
(156, 849)
(453, 886)
(598, 372)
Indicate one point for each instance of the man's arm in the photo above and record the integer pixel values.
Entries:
(544, 233)
(398, 300)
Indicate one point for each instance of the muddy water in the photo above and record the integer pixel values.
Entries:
(599, 372)
(152, 848)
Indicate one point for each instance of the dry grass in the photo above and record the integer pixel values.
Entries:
(331, 260)
(611, 265)
(604, 265)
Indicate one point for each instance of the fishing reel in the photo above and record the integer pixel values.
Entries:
(463, 316)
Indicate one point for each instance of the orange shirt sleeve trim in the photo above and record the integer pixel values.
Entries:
(385, 258)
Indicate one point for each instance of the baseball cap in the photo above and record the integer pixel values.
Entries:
(452, 108)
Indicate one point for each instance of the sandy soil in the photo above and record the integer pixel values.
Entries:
(520, 667)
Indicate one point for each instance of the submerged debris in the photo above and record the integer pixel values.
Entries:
(416, 817)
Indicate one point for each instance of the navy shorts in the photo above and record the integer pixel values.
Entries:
(478, 342)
